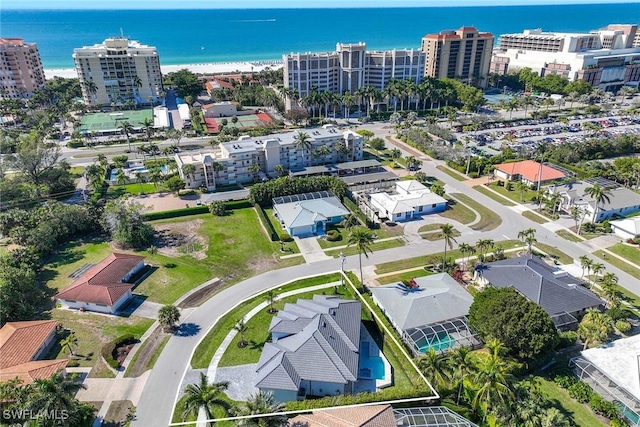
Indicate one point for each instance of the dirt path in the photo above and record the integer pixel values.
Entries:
(145, 354)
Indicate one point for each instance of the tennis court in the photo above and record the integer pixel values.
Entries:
(244, 122)
(110, 122)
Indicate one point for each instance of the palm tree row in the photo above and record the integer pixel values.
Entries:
(608, 281)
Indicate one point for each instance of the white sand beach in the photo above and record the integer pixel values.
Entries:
(211, 68)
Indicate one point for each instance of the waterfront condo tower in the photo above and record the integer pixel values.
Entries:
(464, 54)
(20, 68)
(119, 71)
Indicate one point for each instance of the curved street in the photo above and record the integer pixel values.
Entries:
(160, 392)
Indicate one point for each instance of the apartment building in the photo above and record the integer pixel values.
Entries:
(462, 54)
(350, 67)
(118, 70)
(20, 68)
(606, 58)
(231, 163)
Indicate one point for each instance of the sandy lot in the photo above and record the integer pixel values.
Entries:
(166, 201)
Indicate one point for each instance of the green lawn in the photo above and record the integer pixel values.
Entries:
(116, 190)
(152, 361)
(258, 332)
(534, 217)
(554, 252)
(619, 263)
(632, 253)
(514, 194)
(489, 220)
(429, 227)
(407, 275)
(438, 235)
(568, 236)
(453, 174)
(458, 212)
(376, 246)
(580, 414)
(210, 343)
(482, 189)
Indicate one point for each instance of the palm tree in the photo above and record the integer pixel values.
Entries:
(189, 169)
(597, 268)
(52, 394)
(494, 385)
(303, 142)
(279, 169)
(147, 124)
(121, 178)
(362, 238)
(585, 263)
(140, 179)
(465, 249)
(552, 417)
(168, 316)
(127, 129)
(435, 367)
(254, 168)
(262, 403)
(448, 235)
(95, 174)
(609, 290)
(91, 88)
(594, 327)
(576, 214)
(522, 187)
(137, 84)
(483, 245)
(241, 328)
(69, 343)
(461, 367)
(204, 395)
(599, 195)
(528, 238)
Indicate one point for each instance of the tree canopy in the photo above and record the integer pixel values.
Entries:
(123, 219)
(263, 193)
(521, 325)
(186, 83)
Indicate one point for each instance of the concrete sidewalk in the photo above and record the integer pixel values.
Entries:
(310, 249)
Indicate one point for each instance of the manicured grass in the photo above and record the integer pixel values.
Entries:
(489, 220)
(377, 246)
(385, 231)
(407, 275)
(629, 269)
(326, 244)
(438, 235)
(117, 190)
(514, 194)
(632, 253)
(458, 212)
(93, 331)
(218, 412)
(101, 370)
(453, 174)
(429, 227)
(208, 346)
(568, 236)
(152, 360)
(258, 332)
(580, 414)
(534, 217)
(554, 252)
(482, 189)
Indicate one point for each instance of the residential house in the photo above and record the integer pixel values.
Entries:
(230, 163)
(561, 295)
(411, 199)
(527, 171)
(308, 213)
(103, 287)
(621, 201)
(428, 312)
(313, 350)
(22, 345)
(628, 228)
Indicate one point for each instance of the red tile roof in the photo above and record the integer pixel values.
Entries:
(21, 341)
(31, 371)
(101, 284)
(217, 84)
(529, 170)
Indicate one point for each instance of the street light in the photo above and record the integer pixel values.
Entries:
(343, 258)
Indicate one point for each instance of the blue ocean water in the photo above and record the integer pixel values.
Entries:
(198, 36)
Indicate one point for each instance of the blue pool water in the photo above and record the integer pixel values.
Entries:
(440, 342)
(629, 414)
(495, 99)
(114, 171)
(371, 367)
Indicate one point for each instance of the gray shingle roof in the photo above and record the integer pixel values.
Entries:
(553, 289)
(438, 298)
(322, 345)
(619, 198)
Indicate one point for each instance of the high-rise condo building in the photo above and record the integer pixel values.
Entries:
(350, 67)
(20, 68)
(118, 71)
(606, 58)
(463, 54)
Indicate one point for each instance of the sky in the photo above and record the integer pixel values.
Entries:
(250, 4)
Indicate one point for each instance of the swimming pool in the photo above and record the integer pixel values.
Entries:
(496, 98)
(439, 342)
(631, 416)
(370, 367)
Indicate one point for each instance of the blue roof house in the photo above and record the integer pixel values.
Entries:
(309, 213)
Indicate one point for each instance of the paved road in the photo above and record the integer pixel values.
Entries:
(157, 401)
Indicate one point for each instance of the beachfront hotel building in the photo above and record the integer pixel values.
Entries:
(20, 68)
(118, 70)
(350, 67)
(464, 54)
(234, 159)
(605, 58)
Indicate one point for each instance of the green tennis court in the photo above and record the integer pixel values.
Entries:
(105, 122)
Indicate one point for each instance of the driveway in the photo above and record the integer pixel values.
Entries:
(241, 379)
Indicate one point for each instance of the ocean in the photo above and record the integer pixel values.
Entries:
(203, 36)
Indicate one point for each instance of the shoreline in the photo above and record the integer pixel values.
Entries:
(204, 68)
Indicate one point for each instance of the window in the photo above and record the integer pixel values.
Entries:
(433, 205)
(420, 208)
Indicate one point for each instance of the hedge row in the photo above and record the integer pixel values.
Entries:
(354, 399)
(355, 210)
(196, 210)
(262, 215)
(109, 349)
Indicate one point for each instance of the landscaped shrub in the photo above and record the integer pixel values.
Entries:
(580, 391)
(355, 210)
(333, 236)
(356, 399)
(564, 381)
(623, 326)
(218, 208)
(73, 364)
(262, 216)
(286, 237)
(567, 339)
(617, 313)
(196, 210)
(237, 204)
(264, 193)
(108, 351)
